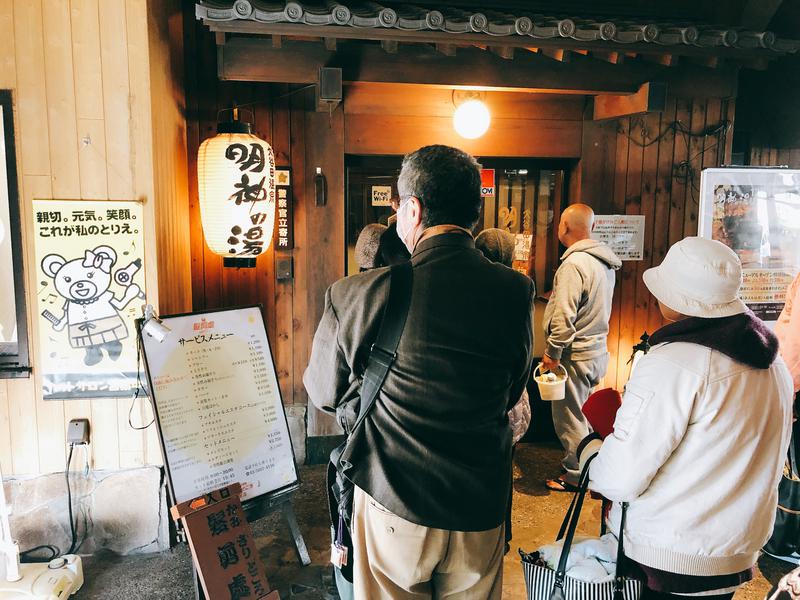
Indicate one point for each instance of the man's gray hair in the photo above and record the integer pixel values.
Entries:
(447, 182)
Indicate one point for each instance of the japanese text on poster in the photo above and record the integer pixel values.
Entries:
(624, 234)
(218, 404)
(90, 276)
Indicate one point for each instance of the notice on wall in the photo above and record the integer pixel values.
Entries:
(218, 404)
(284, 232)
(755, 212)
(90, 290)
(522, 246)
(381, 195)
(624, 234)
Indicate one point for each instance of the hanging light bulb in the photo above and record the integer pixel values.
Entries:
(236, 187)
(471, 119)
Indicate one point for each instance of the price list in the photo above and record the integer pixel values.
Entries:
(218, 402)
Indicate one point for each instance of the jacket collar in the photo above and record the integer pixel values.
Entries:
(451, 238)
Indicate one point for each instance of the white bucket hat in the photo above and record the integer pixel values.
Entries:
(698, 278)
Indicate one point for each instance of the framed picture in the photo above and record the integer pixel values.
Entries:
(90, 268)
(13, 318)
(756, 213)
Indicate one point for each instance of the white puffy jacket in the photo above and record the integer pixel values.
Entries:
(697, 450)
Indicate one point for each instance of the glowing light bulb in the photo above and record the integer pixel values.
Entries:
(471, 119)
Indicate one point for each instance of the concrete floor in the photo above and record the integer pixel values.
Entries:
(537, 516)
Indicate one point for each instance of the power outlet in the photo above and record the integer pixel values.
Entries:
(78, 431)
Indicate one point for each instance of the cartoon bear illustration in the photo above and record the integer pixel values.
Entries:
(91, 310)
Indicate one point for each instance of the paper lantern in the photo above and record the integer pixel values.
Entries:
(236, 186)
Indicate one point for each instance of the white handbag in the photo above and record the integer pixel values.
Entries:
(544, 583)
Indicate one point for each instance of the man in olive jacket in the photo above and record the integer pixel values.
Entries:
(432, 461)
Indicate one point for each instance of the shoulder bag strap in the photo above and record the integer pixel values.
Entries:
(384, 350)
(573, 515)
(619, 579)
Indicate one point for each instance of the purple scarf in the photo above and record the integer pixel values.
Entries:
(744, 337)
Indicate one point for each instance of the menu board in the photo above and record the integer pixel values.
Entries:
(218, 405)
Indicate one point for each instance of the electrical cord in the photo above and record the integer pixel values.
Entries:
(27, 555)
(69, 503)
(139, 386)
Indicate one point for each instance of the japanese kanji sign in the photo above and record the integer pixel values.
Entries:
(624, 234)
(223, 549)
(284, 232)
(90, 289)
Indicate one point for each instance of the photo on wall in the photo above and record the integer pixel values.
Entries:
(90, 290)
(756, 213)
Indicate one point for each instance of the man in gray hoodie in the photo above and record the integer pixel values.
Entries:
(576, 326)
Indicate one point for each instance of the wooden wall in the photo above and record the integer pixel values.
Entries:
(80, 73)
(626, 166)
(764, 154)
(642, 165)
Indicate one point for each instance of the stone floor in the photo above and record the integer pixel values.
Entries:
(537, 516)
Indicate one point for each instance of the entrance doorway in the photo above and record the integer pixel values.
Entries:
(522, 196)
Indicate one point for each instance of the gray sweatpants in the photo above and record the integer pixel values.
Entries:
(570, 424)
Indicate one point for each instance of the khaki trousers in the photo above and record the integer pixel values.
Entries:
(399, 560)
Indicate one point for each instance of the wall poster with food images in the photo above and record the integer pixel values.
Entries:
(756, 212)
(90, 289)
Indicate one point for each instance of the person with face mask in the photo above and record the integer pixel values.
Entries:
(432, 458)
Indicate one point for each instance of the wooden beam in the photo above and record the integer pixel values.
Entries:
(709, 62)
(505, 52)
(558, 54)
(389, 46)
(651, 97)
(277, 41)
(446, 49)
(757, 14)
(667, 60)
(221, 38)
(399, 134)
(253, 59)
(615, 58)
(330, 44)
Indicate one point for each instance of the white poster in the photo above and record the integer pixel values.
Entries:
(90, 276)
(756, 213)
(218, 404)
(624, 234)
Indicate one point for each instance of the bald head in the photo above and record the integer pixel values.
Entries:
(576, 224)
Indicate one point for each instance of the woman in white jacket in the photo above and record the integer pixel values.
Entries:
(699, 442)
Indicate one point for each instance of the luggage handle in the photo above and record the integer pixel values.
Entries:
(570, 524)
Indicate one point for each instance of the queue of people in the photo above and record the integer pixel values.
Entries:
(698, 445)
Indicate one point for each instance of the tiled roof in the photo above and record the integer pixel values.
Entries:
(412, 18)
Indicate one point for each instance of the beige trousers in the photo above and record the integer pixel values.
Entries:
(399, 560)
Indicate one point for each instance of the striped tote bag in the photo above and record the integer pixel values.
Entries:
(544, 583)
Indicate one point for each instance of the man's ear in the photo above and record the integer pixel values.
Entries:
(416, 210)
